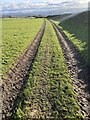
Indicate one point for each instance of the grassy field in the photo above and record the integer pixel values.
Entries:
(48, 91)
(76, 29)
(17, 34)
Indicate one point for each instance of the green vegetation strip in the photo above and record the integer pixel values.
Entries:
(48, 92)
(17, 34)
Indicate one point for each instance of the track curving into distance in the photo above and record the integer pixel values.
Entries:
(14, 81)
(78, 71)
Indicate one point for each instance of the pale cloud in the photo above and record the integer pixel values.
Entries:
(60, 1)
(31, 5)
(83, 1)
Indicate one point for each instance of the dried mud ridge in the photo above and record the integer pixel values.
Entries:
(77, 69)
(14, 81)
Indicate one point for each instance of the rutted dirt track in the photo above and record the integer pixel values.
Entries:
(45, 93)
(78, 71)
(41, 103)
(13, 82)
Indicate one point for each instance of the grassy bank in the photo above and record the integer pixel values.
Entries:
(76, 29)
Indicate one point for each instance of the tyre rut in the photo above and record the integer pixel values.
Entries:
(77, 70)
(13, 82)
(39, 94)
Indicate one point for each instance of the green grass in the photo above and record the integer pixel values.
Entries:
(17, 34)
(76, 29)
(49, 67)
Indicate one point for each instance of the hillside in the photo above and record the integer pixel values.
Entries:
(78, 25)
(76, 28)
(57, 17)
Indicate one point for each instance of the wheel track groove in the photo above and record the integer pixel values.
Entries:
(13, 82)
(77, 70)
(39, 92)
(45, 86)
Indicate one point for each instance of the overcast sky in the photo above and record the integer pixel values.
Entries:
(42, 5)
(53, 1)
